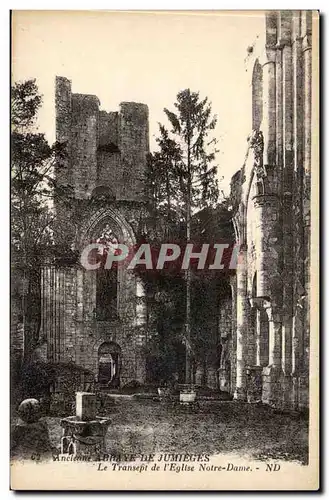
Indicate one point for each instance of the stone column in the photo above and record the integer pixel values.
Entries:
(233, 342)
(274, 357)
(242, 325)
(285, 20)
(291, 364)
(262, 224)
(306, 29)
(80, 304)
(307, 54)
(268, 126)
(266, 208)
(279, 114)
(279, 136)
(271, 374)
(306, 47)
(258, 338)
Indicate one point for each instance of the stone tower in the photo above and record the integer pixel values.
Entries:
(96, 319)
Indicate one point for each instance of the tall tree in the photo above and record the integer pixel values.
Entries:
(32, 193)
(163, 186)
(184, 174)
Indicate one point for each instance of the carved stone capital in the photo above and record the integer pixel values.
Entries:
(270, 54)
(264, 199)
(260, 303)
(283, 42)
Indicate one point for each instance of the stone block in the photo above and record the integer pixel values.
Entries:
(85, 405)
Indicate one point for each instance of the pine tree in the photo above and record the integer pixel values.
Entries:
(183, 176)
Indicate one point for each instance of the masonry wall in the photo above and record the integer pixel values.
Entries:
(105, 149)
(271, 199)
(133, 145)
(104, 171)
(72, 332)
(225, 331)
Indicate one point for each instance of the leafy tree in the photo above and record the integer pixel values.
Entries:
(33, 191)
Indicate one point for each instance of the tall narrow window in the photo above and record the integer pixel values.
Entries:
(257, 96)
(106, 294)
(107, 280)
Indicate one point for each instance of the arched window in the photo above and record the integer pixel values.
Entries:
(109, 364)
(107, 279)
(257, 96)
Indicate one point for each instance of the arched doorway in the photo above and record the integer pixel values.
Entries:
(109, 364)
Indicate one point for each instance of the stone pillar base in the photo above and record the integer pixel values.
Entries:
(287, 392)
(254, 384)
(271, 393)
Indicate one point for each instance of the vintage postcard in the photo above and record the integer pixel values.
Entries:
(164, 250)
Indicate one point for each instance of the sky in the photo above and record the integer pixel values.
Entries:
(144, 57)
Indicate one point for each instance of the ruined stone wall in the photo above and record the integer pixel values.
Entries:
(270, 218)
(108, 171)
(134, 146)
(63, 110)
(84, 144)
(104, 148)
(73, 333)
(104, 167)
(108, 128)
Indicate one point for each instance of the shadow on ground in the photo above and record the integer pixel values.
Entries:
(147, 426)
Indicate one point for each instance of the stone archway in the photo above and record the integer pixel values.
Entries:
(107, 288)
(97, 220)
(109, 364)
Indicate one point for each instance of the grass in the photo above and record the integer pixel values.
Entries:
(147, 426)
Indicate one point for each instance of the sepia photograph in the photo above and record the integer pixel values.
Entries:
(164, 273)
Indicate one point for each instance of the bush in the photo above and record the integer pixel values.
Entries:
(55, 384)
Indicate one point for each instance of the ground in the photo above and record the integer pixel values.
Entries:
(213, 427)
